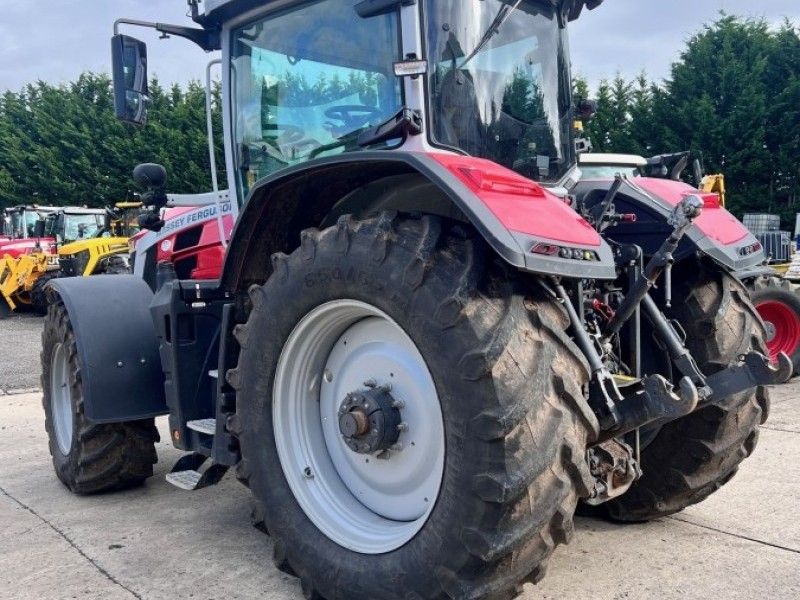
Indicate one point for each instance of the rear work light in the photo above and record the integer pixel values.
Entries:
(545, 249)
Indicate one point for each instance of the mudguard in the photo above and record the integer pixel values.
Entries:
(716, 232)
(514, 214)
(117, 346)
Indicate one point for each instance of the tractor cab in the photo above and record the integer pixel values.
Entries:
(74, 224)
(305, 81)
(87, 241)
(19, 222)
(5, 227)
(123, 219)
(20, 233)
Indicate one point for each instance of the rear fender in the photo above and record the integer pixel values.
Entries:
(117, 346)
(512, 213)
(715, 233)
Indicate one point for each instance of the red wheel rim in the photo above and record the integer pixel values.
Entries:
(783, 327)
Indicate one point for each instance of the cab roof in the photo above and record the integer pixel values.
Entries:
(213, 13)
(615, 160)
(79, 210)
(33, 207)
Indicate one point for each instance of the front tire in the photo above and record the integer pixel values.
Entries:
(88, 458)
(507, 383)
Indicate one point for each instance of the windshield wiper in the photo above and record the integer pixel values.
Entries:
(502, 16)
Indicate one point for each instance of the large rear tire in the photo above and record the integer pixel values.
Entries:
(692, 457)
(88, 458)
(505, 398)
(779, 307)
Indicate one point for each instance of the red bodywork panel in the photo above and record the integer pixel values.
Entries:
(715, 222)
(520, 204)
(16, 248)
(207, 255)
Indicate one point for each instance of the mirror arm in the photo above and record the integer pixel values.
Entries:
(208, 40)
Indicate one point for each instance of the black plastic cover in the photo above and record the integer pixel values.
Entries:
(117, 346)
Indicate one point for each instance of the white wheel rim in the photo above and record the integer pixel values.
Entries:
(364, 503)
(61, 398)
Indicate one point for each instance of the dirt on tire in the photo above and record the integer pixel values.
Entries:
(510, 383)
(692, 457)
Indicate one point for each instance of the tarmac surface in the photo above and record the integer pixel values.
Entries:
(20, 339)
(159, 542)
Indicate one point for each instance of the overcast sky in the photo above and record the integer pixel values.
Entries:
(55, 40)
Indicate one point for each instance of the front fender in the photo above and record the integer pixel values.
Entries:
(512, 213)
(117, 346)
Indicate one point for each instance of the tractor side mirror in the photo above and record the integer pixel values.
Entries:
(129, 65)
(38, 229)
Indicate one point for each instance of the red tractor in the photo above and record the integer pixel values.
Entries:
(190, 238)
(421, 354)
(19, 235)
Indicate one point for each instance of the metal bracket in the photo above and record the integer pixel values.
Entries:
(652, 399)
(614, 468)
(753, 370)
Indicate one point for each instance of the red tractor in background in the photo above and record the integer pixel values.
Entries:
(19, 230)
(422, 352)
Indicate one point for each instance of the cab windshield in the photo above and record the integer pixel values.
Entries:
(307, 82)
(75, 227)
(499, 84)
(23, 223)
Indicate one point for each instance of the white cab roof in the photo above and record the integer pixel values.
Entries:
(627, 160)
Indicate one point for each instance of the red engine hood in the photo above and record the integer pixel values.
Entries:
(715, 222)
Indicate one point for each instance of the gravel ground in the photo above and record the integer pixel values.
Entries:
(20, 337)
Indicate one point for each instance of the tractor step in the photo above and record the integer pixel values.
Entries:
(207, 426)
(186, 473)
(186, 480)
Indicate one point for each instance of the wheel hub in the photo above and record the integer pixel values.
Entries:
(368, 476)
(771, 330)
(782, 327)
(369, 421)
